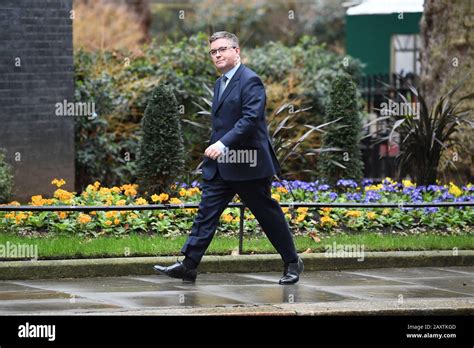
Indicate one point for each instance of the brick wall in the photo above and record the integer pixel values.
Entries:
(36, 72)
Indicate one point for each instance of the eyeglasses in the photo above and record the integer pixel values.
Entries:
(220, 50)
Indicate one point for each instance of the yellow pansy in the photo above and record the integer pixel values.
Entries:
(371, 215)
(374, 187)
(408, 183)
(454, 190)
(354, 213)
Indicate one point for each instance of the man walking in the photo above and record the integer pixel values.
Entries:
(238, 127)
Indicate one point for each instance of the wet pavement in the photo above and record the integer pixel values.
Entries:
(390, 288)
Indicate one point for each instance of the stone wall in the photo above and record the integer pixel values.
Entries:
(36, 72)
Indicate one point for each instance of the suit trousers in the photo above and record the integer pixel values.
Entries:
(256, 195)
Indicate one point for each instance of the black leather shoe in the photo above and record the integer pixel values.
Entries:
(292, 272)
(178, 270)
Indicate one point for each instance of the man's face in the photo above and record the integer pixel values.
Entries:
(226, 59)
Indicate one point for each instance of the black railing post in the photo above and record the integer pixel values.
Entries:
(241, 228)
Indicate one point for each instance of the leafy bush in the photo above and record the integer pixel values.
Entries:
(426, 132)
(254, 21)
(161, 159)
(308, 67)
(6, 178)
(341, 156)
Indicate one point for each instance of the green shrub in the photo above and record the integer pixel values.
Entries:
(308, 65)
(161, 159)
(6, 178)
(342, 158)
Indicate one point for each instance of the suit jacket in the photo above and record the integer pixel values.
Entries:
(238, 121)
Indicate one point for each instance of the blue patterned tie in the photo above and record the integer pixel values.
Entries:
(222, 87)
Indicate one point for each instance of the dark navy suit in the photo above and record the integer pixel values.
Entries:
(238, 121)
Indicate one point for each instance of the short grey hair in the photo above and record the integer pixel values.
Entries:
(224, 35)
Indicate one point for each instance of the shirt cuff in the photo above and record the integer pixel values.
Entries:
(222, 147)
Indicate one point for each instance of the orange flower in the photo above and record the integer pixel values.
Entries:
(110, 214)
(62, 214)
(227, 218)
(326, 220)
(160, 198)
(326, 210)
(141, 201)
(129, 189)
(175, 201)
(20, 217)
(63, 195)
(84, 218)
(37, 200)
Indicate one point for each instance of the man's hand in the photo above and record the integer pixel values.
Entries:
(215, 150)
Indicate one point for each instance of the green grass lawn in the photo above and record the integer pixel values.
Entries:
(139, 245)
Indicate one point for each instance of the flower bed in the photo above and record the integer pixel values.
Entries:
(316, 221)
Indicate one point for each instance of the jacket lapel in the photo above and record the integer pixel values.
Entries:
(228, 89)
(216, 93)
